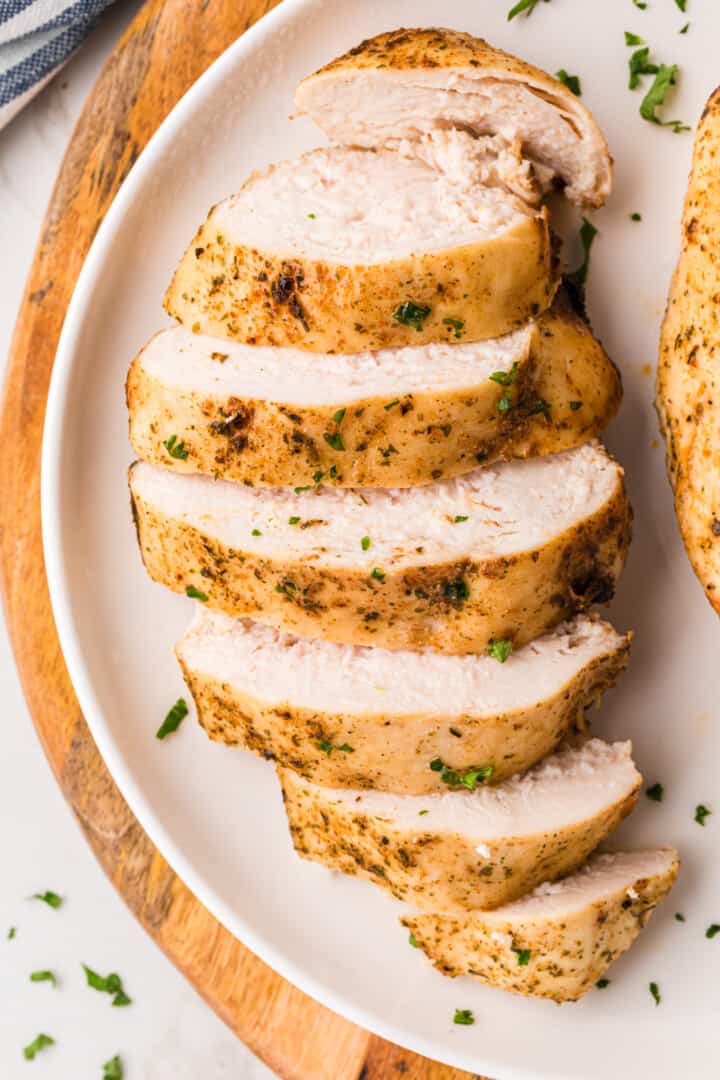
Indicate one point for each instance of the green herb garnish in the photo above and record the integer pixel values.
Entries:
(456, 591)
(256, 532)
(339, 416)
(682, 4)
(655, 792)
(11, 933)
(391, 404)
(312, 216)
(701, 812)
(679, 916)
(294, 520)
(43, 976)
(588, 232)
(50, 898)
(113, 1069)
(422, 812)
(460, 517)
(505, 378)
(684, 29)
(107, 984)
(523, 956)
(175, 449)
(457, 324)
(465, 1016)
(334, 440)
(666, 78)
(305, 487)
(377, 573)
(500, 650)
(469, 778)
(712, 930)
(635, 216)
(571, 81)
(412, 940)
(528, 6)
(327, 747)
(655, 991)
(366, 543)
(633, 39)
(575, 405)
(39, 1043)
(410, 314)
(640, 64)
(602, 983)
(195, 594)
(173, 720)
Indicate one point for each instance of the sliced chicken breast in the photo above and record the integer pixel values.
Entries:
(505, 552)
(344, 250)
(355, 717)
(263, 415)
(559, 940)
(468, 850)
(410, 84)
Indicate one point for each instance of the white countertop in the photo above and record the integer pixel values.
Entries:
(168, 1032)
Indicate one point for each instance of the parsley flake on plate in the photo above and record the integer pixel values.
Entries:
(655, 991)
(571, 81)
(113, 1069)
(701, 812)
(50, 898)
(173, 720)
(107, 984)
(500, 650)
(578, 276)
(712, 930)
(465, 1016)
(655, 792)
(195, 594)
(468, 778)
(40, 1042)
(43, 976)
(175, 449)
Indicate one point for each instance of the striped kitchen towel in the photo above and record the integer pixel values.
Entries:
(36, 38)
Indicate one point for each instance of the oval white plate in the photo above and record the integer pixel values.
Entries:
(215, 813)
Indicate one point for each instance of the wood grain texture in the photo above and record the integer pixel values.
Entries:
(163, 52)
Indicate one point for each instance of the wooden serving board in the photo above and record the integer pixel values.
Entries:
(165, 49)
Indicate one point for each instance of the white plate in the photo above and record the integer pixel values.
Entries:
(215, 813)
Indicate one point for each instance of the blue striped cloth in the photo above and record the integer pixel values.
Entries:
(36, 38)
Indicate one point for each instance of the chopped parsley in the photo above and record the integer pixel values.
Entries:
(173, 720)
(195, 594)
(679, 916)
(640, 64)
(571, 81)
(469, 778)
(655, 991)
(377, 573)
(682, 4)
(505, 378)
(575, 405)
(11, 933)
(503, 402)
(635, 216)
(113, 1069)
(366, 543)
(500, 650)
(256, 532)
(50, 898)
(539, 405)
(412, 940)
(339, 416)
(460, 517)
(43, 976)
(684, 29)
(410, 314)
(712, 930)
(523, 956)
(457, 324)
(640, 4)
(313, 216)
(588, 232)
(701, 812)
(327, 747)
(422, 812)
(465, 1016)
(666, 78)
(633, 39)
(175, 449)
(107, 984)
(334, 440)
(391, 404)
(305, 487)
(294, 520)
(39, 1043)
(655, 792)
(528, 6)
(602, 983)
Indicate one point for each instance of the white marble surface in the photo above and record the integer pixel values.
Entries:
(168, 1032)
